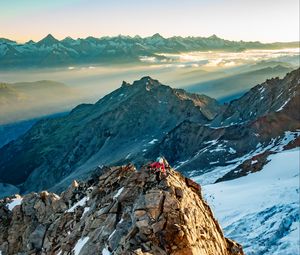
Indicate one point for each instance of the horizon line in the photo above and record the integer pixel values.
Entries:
(137, 35)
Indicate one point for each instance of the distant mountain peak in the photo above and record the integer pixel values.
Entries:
(68, 38)
(30, 42)
(125, 84)
(214, 37)
(50, 37)
(147, 82)
(157, 35)
(48, 40)
(4, 40)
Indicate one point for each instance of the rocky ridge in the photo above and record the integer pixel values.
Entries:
(118, 211)
(127, 121)
(264, 120)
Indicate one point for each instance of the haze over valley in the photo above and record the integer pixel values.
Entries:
(224, 71)
(149, 127)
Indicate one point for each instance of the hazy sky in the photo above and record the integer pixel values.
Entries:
(264, 20)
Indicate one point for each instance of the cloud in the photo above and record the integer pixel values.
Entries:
(220, 59)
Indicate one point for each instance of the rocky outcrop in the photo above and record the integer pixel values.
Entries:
(118, 211)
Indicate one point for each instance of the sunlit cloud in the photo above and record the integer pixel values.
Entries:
(221, 59)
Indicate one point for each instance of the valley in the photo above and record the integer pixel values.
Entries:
(149, 127)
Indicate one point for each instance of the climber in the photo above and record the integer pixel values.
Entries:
(159, 168)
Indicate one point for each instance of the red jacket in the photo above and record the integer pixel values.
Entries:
(158, 165)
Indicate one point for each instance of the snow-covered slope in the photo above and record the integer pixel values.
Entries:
(261, 210)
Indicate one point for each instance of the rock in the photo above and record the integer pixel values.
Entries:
(159, 226)
(178, 192)
(75, 184)
(37, 236)
(190, 183)
(124, 211)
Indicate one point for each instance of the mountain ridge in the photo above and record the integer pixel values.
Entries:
(92, 131)
(154, 119)
(25, 100)
(50, 52)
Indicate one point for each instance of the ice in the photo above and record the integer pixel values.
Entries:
(284, 104)
(153, 141)
(105, 251)
(13, 203)
(86, 209)
(262, 89)
(80, 243)
(79, 203)
(118, 193)
(215, 174)
(111, 235)
(232, 151)
(260, 210)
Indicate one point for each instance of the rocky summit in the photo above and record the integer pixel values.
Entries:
(119, 210)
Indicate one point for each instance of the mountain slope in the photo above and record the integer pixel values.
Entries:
(50, 52)
(226, 89)
(125, 122)
(264, 216)
(247, 127)
(270, 96)
(119, 211)
(25, 100)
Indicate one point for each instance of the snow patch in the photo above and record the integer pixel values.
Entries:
(118, 193)
(111, 235)
(86, 209)
(232, 151)
(153, 141)
(105, 251)
(15, 201)
(253, 162)
(79, 203)
(79, 245)
(275, 145)
(284, 104)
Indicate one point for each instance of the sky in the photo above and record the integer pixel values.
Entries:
(249, 20)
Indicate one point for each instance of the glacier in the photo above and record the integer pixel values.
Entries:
(261, 210)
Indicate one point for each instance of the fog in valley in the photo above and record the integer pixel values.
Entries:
(222, 75)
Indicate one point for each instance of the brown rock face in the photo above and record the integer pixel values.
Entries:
(123, 211)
